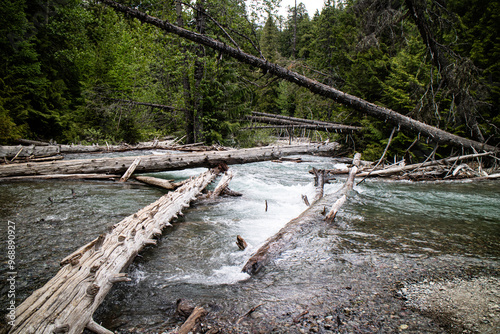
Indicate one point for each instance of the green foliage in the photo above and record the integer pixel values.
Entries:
(68, 68)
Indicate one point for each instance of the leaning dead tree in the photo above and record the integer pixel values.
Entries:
(163, 162)
(67, 302)
(436, 134)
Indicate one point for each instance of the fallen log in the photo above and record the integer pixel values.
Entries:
(193, 321)
(436, 134)
(223, 184)
(400, 169)
(296, 124)
(61, 177)
(32, 159)
(282, 240)
(130, 170)
(156, 181)
(36, 151)
(314, 213)
(164, 162)
(295, 119)
(67, 302)
(330, 217)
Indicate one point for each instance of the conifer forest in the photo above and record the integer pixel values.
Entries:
(76, 71)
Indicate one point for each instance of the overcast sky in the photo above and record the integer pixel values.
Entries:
(311, 6)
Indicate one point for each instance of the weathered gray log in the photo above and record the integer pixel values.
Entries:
(296, 119)
(223, 184)
(330, 217)
(61, 177)
(284, 239)
(130, 170)
(400, 169)
(32, 142)
(68, 301)
(156, 181)
(164, 162)
(298, 124)
(436, 134)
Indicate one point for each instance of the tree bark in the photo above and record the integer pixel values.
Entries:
(165, 162)
(282, 240)
(437, 135)
(67, 302)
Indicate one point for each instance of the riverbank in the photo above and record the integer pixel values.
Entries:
(371, 294)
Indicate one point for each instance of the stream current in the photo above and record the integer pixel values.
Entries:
(386, 234)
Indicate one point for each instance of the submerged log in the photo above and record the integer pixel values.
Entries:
(164, 162)
(282, 240)
(314, 213)
(48, 150)
(68, 301)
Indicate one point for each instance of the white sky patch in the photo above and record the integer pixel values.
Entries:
(311, 6)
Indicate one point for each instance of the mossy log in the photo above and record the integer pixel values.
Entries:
(66, 303)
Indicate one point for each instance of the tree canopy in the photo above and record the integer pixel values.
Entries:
(68, 68)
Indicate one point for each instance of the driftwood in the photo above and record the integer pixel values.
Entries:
(17, 160)
(193, 321)
(397, 170)
(241, 243)
(437, 135)
(314, 213)
(67, 302)
(33, 152)
(61, 177)
(330, 217)
(156, 181)
(165, 162)
(223, 183)
(297, 124)
(130, 170)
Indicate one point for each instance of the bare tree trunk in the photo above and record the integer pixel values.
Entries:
(437, 135)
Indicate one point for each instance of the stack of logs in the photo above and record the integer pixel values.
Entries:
(453, 168)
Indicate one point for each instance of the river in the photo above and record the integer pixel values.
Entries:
(388, 235)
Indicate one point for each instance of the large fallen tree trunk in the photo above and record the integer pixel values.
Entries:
(298, 120)
(310, 217)
(66, 303)
(283, 240)
(165, 162)
(437, 135)
(20, 151)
